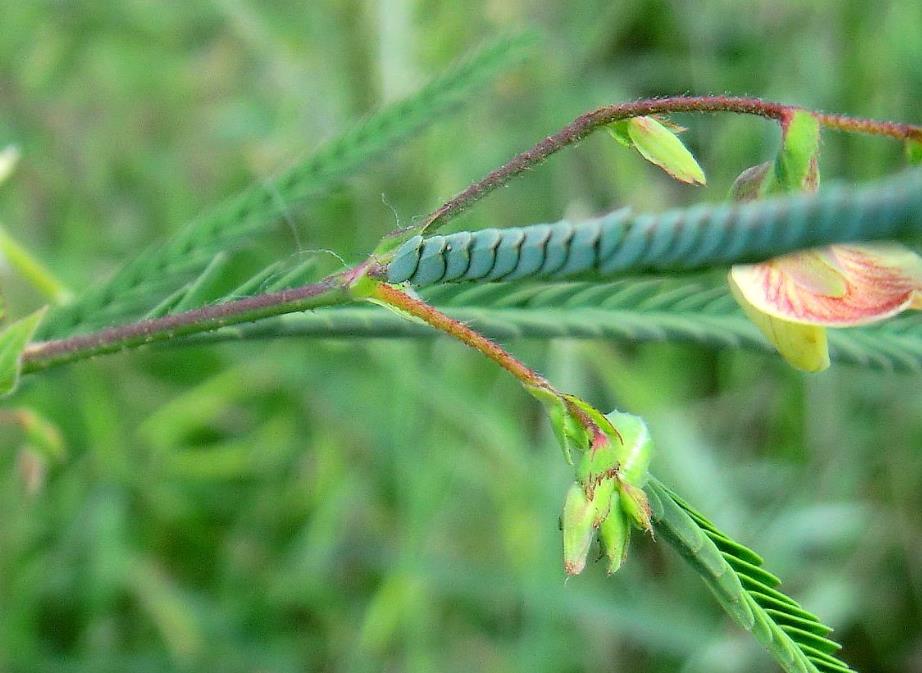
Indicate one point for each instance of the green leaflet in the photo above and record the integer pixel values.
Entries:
(142, 283)
(31, 269)
(687, 239)
(13, 341)
(690, 309)
(794, 637)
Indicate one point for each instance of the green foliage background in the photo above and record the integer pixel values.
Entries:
(381, 504)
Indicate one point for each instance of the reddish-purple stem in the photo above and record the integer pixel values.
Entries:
(586, 123)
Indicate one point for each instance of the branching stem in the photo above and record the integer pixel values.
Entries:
(392, 296)
(336, 289)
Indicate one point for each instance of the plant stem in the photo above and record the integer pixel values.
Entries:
(586, 123)
(331, 290)
(390, 295)
(335, 289)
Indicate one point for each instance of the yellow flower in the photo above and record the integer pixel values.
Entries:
(793, 299)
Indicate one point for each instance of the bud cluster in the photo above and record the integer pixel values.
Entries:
(607, 497)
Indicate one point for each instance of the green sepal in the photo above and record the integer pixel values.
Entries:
(660, 146)
(13, 341)
(362, 286)
(615, 536)
(597, 462)
(619, 131)
(635, 449)
(914, 151)
(570, 433)
(595, 416)
(796, 164)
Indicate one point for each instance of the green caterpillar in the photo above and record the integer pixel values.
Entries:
(680, 239)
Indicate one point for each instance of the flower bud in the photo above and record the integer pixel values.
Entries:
(660, 146)
(751, 183)
(615, 535)
(578, 518)
(634, 503)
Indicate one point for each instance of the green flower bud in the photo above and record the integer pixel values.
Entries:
(615, 535)
(603, 499)
(796, 168)
(752, 183)
(660, 146)
(578, 518)
(634, 503)
(597, 464)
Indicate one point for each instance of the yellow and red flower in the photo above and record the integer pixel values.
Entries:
(793, 299)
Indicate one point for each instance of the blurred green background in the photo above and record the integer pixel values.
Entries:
(386, 505)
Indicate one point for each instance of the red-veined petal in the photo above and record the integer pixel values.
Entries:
(804, 347)
(838, 286)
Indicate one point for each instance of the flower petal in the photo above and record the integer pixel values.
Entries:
(838, 286)
(803, 346)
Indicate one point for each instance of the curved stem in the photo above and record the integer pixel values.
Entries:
(388, 294)
(586, 123)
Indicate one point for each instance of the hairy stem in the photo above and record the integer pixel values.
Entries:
(331, 290)
(390, 295)
(585, 124)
